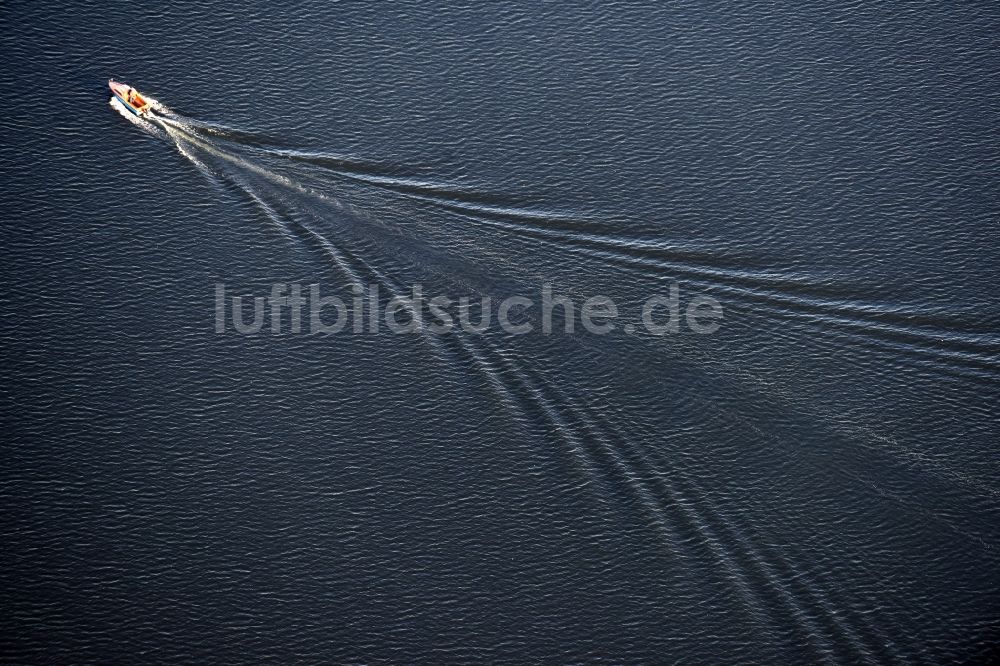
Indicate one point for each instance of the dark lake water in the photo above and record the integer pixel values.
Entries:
(815, 481)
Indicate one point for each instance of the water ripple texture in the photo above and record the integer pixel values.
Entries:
(814, 482)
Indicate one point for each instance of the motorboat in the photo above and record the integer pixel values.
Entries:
(129, 97)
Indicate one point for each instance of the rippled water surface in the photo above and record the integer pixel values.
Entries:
(814, 482)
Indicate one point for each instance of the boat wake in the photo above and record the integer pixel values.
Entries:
(360, 218)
